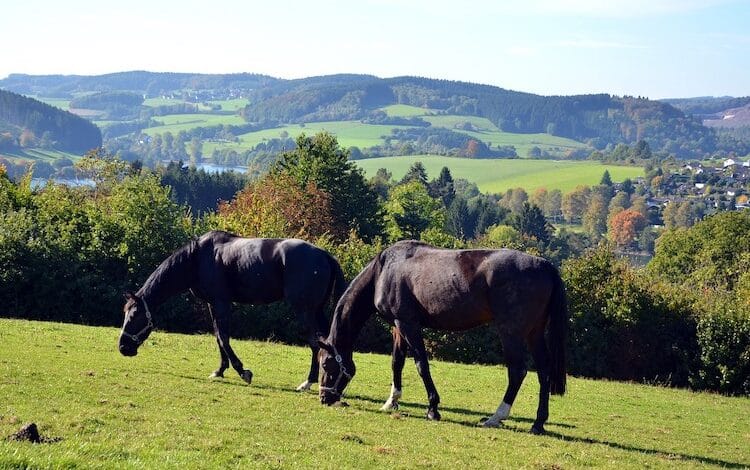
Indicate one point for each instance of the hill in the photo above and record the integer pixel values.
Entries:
(159, 410)
(28, 123)
(598, 120)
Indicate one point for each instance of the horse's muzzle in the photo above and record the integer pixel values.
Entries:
(126, 351)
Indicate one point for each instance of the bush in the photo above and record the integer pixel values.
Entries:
(626, 326)
(724, 339)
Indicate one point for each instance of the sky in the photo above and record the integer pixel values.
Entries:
(651, 48)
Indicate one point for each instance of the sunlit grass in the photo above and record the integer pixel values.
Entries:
(159, 409)
(499, 175)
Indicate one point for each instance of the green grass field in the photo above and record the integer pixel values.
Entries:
(175, 123)
(499, 175)
(159, 410)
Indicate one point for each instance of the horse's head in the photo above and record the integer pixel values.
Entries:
(137, 325)
(336, 371)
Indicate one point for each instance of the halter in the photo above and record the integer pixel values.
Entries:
(150, 324)
(342, 373)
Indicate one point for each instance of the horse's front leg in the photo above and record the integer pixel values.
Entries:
(398, 358)
(220, 313)
(413, 335)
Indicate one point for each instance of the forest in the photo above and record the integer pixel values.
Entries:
(26, 122)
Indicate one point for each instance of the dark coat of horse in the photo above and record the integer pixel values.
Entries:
(222, 268)
(412, 285)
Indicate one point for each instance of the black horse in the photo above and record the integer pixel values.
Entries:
(413, 285)
(222, 268)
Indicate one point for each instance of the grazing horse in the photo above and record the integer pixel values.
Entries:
(222, 268)
(413, 285)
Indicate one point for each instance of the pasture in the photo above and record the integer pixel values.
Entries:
(495, 175)
(175, 123)
(159, 409)
(38, 154)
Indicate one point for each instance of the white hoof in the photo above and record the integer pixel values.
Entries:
(389, 406)
(304, 386)
(214, 375)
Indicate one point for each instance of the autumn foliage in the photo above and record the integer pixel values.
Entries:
(625, 226)
(275, 207)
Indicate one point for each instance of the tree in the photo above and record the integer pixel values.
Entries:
(710, 253)
(595, 218)
(552, 205)
(416, 172)
(275, 207)
(606, 179)
(539, 198)
(514, 199)
(442, 187)
(574, 203)
(196, 151)
(627, 186)
(530, 222)
(410, 210)
(320, 160)
(625, 227)
(457, 220)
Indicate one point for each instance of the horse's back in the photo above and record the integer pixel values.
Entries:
(460, 289)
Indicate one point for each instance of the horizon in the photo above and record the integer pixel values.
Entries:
(656, 49)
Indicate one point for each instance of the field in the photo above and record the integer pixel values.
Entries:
(499, 175)
(175, 123)
(160, 410)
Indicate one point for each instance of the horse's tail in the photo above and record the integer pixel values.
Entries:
(338, 284)
(557, 310)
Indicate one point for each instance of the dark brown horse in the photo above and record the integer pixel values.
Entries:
(222, 268)
(413, 285)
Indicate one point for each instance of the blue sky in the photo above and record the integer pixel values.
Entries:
(654, 48)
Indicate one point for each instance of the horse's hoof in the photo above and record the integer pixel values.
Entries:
(537, 430)
(389, 406)
(490, 423)
(304, 386)
(247, 376)
(433, 415)
(216, 375)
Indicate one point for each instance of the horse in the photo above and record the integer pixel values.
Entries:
(222, 268)
(413, 285)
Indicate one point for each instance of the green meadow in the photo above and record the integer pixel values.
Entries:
(159, 410)
(498, 175)
(175, 123)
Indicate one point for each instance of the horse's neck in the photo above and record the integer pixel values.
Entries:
(353, 310)
(172, 277)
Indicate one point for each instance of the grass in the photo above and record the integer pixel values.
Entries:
(405, 110)
(160, 410)
(175, 123)
(499, 175)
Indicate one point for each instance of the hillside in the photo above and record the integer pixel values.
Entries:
(28, 123)
(597, 120)
(159, 409)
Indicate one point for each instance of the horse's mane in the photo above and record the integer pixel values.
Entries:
(176, 262)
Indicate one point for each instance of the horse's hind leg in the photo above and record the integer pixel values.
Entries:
(398, 359)
(513, 350)
(413, 336)
(315, 328)
(541, 360)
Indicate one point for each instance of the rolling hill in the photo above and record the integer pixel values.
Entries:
(597, 120)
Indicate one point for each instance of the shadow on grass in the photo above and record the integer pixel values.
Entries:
(672, 456)
(667, 455)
